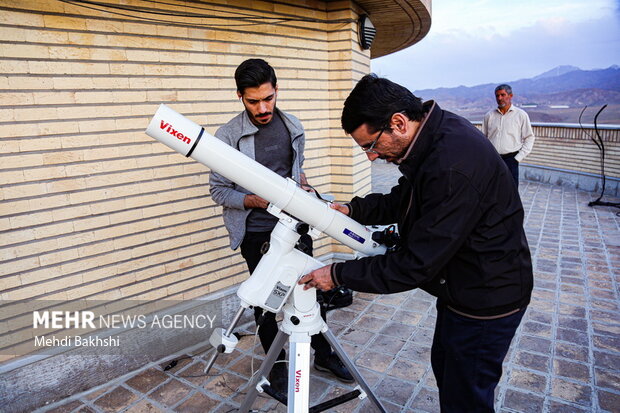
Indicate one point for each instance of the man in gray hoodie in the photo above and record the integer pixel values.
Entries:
(276, 140)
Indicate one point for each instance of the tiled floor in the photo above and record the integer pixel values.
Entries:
(565, 357)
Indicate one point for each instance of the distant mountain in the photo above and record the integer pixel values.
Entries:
(545, 83)
(556, 71)
(560, 86)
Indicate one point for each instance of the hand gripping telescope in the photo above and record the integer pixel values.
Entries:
(273, 285)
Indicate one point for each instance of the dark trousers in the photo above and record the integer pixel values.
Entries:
(467, 356)
(513, 165)
(250, 250)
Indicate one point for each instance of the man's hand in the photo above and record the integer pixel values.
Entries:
(303, 184)
(340, 208)
(307, 188)
(254, 201)
(320, 278)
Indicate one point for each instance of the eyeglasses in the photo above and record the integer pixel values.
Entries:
(370, 148)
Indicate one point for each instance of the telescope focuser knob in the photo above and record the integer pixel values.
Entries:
(295, 320)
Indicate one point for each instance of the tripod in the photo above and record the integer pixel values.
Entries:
(273, 286)
(298, 327)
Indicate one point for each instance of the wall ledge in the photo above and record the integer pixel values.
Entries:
(569, 178)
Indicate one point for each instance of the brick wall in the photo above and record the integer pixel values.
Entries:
(91, 207)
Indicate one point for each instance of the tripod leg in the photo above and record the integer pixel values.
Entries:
(352, 369)
(265, 368)
(299, 375)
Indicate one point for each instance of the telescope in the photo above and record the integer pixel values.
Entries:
(273, 285)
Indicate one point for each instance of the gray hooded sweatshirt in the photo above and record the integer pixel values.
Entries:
(239, 133)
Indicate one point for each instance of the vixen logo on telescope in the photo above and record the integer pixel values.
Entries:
(168, 128)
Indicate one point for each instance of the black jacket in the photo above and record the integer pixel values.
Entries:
(461, 224)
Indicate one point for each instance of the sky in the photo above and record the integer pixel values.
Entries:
(474, 42)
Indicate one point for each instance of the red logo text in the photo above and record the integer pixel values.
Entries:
(168, 128)
(297, 381)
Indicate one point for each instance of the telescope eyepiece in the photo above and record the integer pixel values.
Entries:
(302, 228)
(388, 237)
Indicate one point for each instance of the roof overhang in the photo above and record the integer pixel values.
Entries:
(399, 23)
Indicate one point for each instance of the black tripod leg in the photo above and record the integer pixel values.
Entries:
(329, 336)
(265, 368)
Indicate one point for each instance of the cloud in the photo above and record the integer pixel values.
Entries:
(454, 58)
(474, 16)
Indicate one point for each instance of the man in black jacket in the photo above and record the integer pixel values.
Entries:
(460, 220)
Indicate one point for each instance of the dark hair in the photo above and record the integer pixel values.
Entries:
(505, 87)
(253, 73)
(374, 100)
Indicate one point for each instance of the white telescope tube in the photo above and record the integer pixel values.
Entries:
(190, 139)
